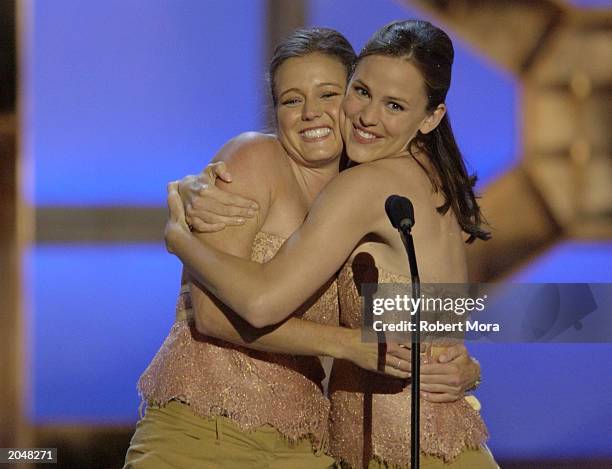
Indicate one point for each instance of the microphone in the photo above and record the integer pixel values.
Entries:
(400, 212)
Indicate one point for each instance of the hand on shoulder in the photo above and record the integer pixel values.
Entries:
(253, 159)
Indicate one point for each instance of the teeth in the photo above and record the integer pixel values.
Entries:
(364, 134)
(317, 133)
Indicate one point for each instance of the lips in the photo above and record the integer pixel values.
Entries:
(364, 136)
(315, 133)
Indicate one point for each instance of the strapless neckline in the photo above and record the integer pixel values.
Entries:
(348, 266)
(272, 235)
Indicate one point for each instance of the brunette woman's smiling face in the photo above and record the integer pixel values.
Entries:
(309, 92)
(384, 107)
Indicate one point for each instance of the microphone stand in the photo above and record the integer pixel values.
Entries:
(415, 320)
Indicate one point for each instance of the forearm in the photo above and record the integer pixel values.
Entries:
(222, 274)
(294, 336)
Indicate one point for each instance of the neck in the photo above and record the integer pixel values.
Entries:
(313, 179)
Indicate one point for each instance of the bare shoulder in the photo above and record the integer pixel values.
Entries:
(368, 185)
(359, 189)
(254, 159)
(252, 151)
(371, 180)
(403, 175)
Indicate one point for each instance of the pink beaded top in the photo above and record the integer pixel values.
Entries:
(370, 413)
(250, 387)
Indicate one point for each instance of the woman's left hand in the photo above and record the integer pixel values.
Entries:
(447, 379)
(176, 226)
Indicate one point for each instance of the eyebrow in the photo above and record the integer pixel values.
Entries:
(389, 98)
(330, 83)
(289, 91)
(296, 90)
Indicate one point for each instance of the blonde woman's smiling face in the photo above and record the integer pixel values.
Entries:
(309, 92)
(384, 107)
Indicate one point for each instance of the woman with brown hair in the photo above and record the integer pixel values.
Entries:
(220, 393)
(395, 125)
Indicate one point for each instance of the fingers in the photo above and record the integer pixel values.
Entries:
(207, 184)
(172, 186)
(408, 346)
(218, 170)
(397, 363)
(441, 389)
(200, 226)
(221, 203)
(175, 206)
(202, 219)
(448, 373)
(435, 397)
(236, 201)
(207, 188)
(396, 373)
(209, 175)
(403, 351)
(452, 352)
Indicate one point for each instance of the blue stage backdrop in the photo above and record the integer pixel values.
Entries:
(123, 96)
(129, 94)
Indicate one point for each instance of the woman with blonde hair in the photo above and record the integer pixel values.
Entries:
(395, 125)
(220, 393)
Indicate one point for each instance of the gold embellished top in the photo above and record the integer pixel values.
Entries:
(370, 413)
(253, 388)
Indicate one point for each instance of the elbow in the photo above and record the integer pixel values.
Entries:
(201, 324)
(260, 312)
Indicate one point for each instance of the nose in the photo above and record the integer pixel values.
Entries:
(368, 115)
(311, 110)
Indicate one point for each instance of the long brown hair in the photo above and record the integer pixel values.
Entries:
(430, 50)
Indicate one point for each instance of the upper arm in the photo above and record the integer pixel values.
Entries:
(342, 215)
(248, 158)
(251, 159)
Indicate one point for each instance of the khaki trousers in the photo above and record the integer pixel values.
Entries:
(469, 459)
(174, 437)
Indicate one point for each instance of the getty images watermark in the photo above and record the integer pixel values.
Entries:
(489, 312)
(435, 310)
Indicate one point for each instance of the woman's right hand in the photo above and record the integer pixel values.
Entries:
(390, 359)
(208, 208)
(176, 226)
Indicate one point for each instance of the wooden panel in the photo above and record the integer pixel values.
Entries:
(521, 223)
(13, 428)
(492, 26)
(100, 224)
(561, 188)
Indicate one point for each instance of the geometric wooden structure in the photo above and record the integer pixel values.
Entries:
(13, 427)
(562, 185)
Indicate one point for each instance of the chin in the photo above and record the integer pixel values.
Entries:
(358, 156)
(322, 157)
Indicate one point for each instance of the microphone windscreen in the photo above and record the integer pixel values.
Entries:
(399, 209)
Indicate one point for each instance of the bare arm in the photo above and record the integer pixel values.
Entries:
(208, 208)
(294, 336)
(341, 216)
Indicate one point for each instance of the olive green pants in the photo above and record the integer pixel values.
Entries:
(174, 437)
(470, 459)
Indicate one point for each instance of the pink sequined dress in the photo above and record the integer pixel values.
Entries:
(252, 388)
(370, 413)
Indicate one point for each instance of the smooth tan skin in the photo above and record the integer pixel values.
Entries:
(372, 111)
(386, 100)
(284, 183)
